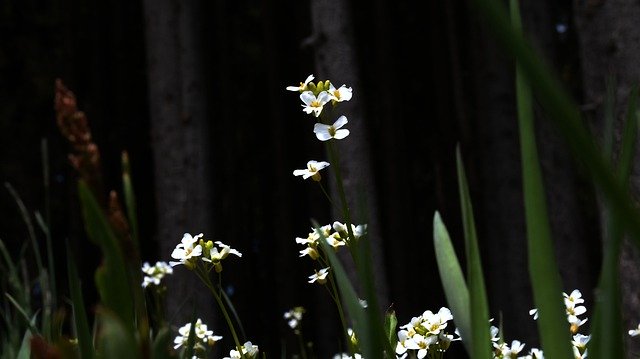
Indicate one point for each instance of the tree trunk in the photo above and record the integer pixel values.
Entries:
(178, 113)
(608, 36)
(336, 60)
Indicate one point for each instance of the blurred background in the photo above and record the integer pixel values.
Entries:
(194, 91)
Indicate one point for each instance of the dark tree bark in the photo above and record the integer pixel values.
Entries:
(336, 59)
(179, 116)
(569, 198)
(608, 36)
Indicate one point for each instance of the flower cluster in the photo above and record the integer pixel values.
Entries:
(192, 248)
(425, 335)
(248, 351)
(155, 273)
(315, 96)
(336, 235)
(294, 317)
(574, 310)
(203, 338)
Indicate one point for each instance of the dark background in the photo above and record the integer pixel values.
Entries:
(430, 77)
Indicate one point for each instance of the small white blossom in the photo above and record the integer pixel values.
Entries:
(217, 254)
(343, 93)
(294, 317)
(155, 273)
(303, 85)
(203, 336)
(314, 104)
(326, 132)
(319, 276)
(312, 170)
(635, 332)
(186, 249)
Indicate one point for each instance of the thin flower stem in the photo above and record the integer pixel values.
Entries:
(334, 158)
(207, 281)
(326, 194)
(303, 349)
(336, 299)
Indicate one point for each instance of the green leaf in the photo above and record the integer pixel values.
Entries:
(477, 293)
(543, 269)
(563, 112)
(607, 335)
(359, 318)
(130, 199)
(111, 278)
(115, 339)
(455, 287)
(390, 325)
(25, 346)
(82, 331)
(161, 343)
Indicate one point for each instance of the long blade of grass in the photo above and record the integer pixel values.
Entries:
(45, 223)
(130, 199)
(23, 313)
(357, 313)
(81, 324)
(115, 340)
(27, 220)
(543, 269)
(607, 336)
(453, 283)
(477, 292)
(563, 112)
(111, 278)
(376, 322)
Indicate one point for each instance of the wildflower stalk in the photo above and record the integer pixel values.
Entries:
(204, 276)
(334, 158)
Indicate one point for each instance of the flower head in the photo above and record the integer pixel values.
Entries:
(155, 273)
(341, 94)
(319, 276)
(312, 170)
(294, 317)
(217, 254)
(186, 250)
(635, 332)
(314, 104)
(202, 335)
(326, 132)
(303, 85)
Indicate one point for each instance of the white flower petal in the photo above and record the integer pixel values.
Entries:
(341, 121)
(341, 133)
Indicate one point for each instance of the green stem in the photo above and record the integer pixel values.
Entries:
(303, 349)
(207, 281)
(326, 194)
(336, 299)
(334, 158)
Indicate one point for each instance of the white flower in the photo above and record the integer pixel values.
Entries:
(248, 349)
(325, 132)
(319, 276)
(186, 249)
(534, 312)
(216, 256)
(434, 323)
(312, 170)
(303, 85)
(312, 104)
(580, 341)
(155, 273)
(311, 252)
(572, 299)
(294, 317)
(635, 332)
(343, 93)
(421, 344)
(202, 335)
(335, 241)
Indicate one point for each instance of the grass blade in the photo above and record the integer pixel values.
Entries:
(348, 294)
(111, 278)
(607, 335)
(477, 292)
(82, 331)
(455, 287)
(130, 199)
(543, 269)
